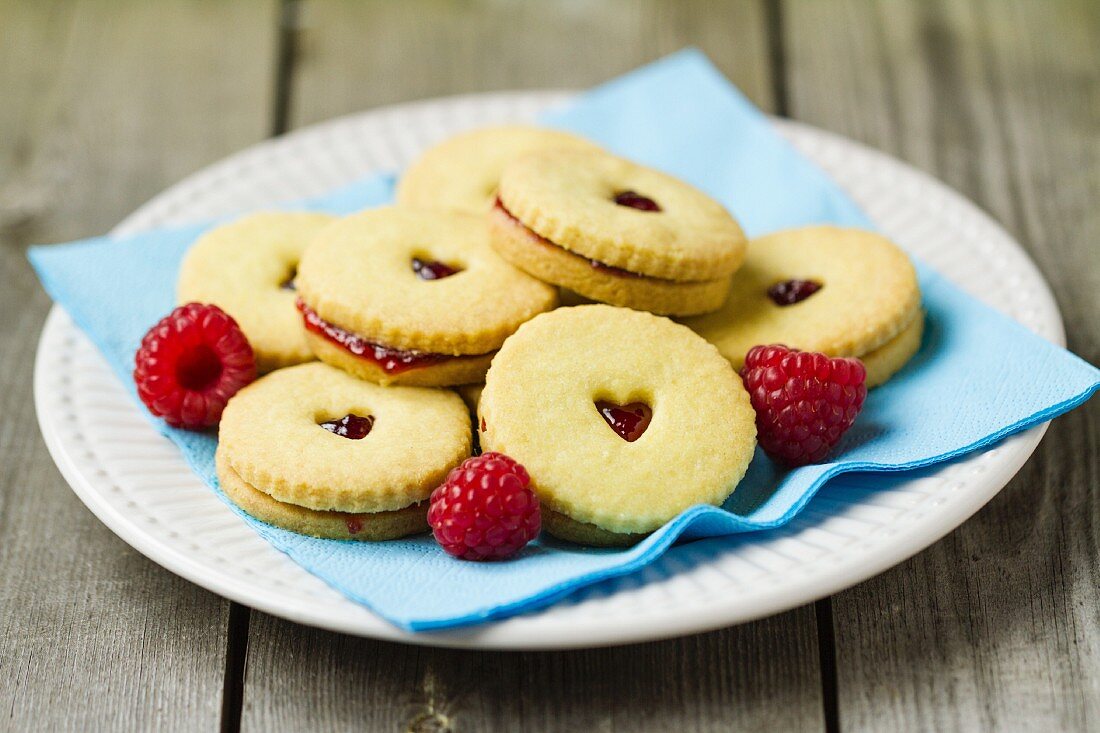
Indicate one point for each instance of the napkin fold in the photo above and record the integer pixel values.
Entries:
(978, 377)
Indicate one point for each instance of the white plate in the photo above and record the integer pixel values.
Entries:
(135, 481)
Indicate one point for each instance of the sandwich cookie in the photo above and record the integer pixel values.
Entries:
(247, 268)
(462, 173)
(316, 451)
(616, 232)
(622, 419)
(413, 296)
(838, 291)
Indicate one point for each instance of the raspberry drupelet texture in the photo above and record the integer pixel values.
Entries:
(485, 510)
(804, 401)
(190, 363)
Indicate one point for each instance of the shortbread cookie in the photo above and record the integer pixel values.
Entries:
(462, 173)
(888, 359)
(616, 232)
(583, 533)
(315, 437)
(371, 527)
(247, 268)
(841, 292)
(548, 262)
(622, 419)
(413, 296)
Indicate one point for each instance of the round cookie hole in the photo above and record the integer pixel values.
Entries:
(427, 268)
(789, 292)
(635, 200)
(629, 421)
(288, 282)
(350, 426)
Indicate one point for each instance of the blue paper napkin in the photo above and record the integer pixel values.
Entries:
(978, 377)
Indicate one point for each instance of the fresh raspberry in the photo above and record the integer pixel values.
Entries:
(484, 510)
(191, 363)
(804, 401)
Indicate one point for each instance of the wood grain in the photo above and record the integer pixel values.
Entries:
(103, 104)
(355, 55)
(761, 676)
(996, 627)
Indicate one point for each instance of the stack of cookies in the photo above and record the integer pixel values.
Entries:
(622, 417)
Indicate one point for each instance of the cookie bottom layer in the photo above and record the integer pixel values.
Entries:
(553, 264)
(582, 533)
(885, 361)
(450, 372)
(372, 527)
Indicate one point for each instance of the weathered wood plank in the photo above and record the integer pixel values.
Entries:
(759, 676)
(763, 675)
(355, 55)
(997, 626)
(103, 105)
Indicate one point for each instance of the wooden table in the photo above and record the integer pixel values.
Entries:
(102, 104)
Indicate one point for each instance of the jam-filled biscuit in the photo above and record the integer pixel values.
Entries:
(413, 296)
(247, 269)
(331, 525)
(622, 419)
(616, 232)
(839, 291)
(885, 361)
(312, 449)
(462, 173)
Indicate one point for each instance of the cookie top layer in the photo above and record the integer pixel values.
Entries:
(463, 172)
(271, 435)
(243, 268)
(868, 294)
(569, 198)
(359, 274)
(539, 406)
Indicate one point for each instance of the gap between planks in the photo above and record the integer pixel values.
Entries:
(287, 26)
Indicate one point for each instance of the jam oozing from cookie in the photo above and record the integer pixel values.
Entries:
(350, 426)
(635, 200)
(628, 421)
(611, 269)
(432, 269)
(790, 292)
(354, 524)
(536, 237)
(391, 361)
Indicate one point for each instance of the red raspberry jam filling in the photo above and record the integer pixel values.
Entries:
(432, 269)
(628, 421)
(536, 237)
(790, 292)
(635, 200)
(391, 361)
(355, 525)
(350, 426)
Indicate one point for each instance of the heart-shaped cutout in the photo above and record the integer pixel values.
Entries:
(628, 421)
